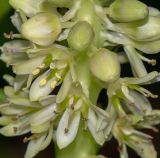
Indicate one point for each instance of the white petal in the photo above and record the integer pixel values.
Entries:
(63, 92)
(5, 120)
(92, 122)
(37, 91)
(9, 91)
(17, 128)
(141, 104)
(63, 138)
(28, 66)
(19, 81)
(16, 21)
(47, 100)
(40, 121)
(144, 147)
(13, 110)
(123, 151)
(39, 144)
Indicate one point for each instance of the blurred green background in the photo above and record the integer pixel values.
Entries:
(15, 148)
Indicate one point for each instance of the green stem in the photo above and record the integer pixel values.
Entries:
(83, 146)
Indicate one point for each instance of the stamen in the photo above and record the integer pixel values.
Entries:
(43, 82)
(153, 62)
(71, 103)
(15, 129)
(146, 93)
(12, 36)
(9, 36)
(85, 119)
(25, 140)
(66, 130)
(53, 84)
(56, 112)
(36, 71)
(58, 76)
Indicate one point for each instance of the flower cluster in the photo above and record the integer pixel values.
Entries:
(64, 54)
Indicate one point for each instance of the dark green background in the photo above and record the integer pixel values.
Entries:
(15, 148)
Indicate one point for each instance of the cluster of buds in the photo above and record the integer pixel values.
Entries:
(64, 54)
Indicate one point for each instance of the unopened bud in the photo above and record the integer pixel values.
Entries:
(80, 36)
(42, 29)
(105, 65)
(29, 7)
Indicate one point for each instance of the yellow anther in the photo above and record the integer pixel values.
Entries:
(53, 84)
(36, 71)
(43, 82)
(42, 66)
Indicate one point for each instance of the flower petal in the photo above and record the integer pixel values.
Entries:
(16, 128)
(47, 100)
(39, 144)
(123, 151)
(28, 66)
(65, 138)
(37, 91)
(140, 104)
(40, 121)
(64, 88)
(92, 121)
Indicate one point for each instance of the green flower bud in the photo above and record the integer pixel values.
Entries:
(80, 36)
(128, 10)
(42, 29)
(86, 12)
(105, 65)
(29, 7)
